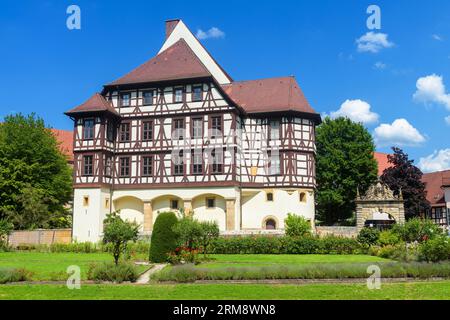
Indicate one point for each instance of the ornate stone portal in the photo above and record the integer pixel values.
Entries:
(378, 204)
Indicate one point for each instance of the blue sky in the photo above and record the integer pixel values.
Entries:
(396, 79)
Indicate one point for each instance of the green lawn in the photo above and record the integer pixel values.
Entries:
(52, 266)
(255, 260)
(398, 291)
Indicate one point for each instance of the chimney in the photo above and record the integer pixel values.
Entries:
(170, 25)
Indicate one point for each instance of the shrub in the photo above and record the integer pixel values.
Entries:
(388, 237)
(14, 275)
(296, 226)
(188, 232)
(5, 229)
(417, 229)
(210, 231)
(339, 245)
(164, 239)
(112, 272)
(368, 236)
(118, 232)
(434, 250)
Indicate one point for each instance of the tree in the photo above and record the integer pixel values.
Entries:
(164, 239)
(31, 164)
(297, 226)
(118, 232)
(405, 177)
(188, 232)
(345, 163)
(210, 231)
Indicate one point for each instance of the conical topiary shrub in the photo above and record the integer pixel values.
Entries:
(163, 238)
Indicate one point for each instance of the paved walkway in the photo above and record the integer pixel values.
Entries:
(145, 277)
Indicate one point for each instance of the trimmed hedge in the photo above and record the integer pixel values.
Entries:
(111, 272)
(164, 239)
(285, 245)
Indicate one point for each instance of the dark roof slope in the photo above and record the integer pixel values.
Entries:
(176, 62)
(269, 95)
(96, 103)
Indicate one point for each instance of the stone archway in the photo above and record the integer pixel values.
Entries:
(378, 203)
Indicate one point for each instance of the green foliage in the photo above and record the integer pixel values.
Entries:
(113, 272)
(164, 239)
(5, 229)
(118, 232)
(415, 270)
(210, 231)
(14, 275)
(344, 163)
(35, 179)
(368, 236)
(188, 232)
(388, 237)
(417, 230)
(434, 250)
(405, 177)
(285, 245)
(297, 226)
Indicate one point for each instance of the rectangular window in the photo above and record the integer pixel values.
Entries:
(216, 126)
(124, 166)
(85, 201)
(197, 93)
(125, 132)
(178, 94)
(178, 127)
(274, 164)
(88, 165)
(108, 166)
(197, 128)
(274, 128)
(217, 161)
(125, 99)
(210, 203)
(147, 166)
(269, 196)
(147, 130)
(174, 204)
(178, 164)
(88, 129)
(110, 131)
(197, 162)
(147, 98)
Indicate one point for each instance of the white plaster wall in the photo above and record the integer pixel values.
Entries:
(217, 214)
(255, 208)
(131, 209)
(88, 220)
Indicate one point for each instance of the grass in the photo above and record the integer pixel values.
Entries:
(397, 291)
(52, 266)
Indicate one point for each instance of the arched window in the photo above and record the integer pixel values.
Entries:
(271, 224)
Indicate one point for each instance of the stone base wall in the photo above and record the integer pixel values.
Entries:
(40, 236)
(346, 232)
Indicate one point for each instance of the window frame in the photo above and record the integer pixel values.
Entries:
(211, 126)
(193, 120)
(172, 207)
(122, 94)
(183, 94)
(152, 92)
(197, 86)
(174, 127)
(176, 166)
(110, 166)
(149, 132)
(269, 136)
(269, 165)
(149, 166)
(85, 174)
(128, 124)
(195, 154)
(213, 199)
(92, 129)
(213, 157)
(128, 167)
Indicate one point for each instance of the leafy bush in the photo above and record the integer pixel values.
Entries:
(368, 236)
(164, 239)
(417, 230)
(5, 229)
(210, 231)
(188, 232)
(297, 226)
(14, 275)
(189, 273)
(112, 272)
(118, 232)
(388, 237)
(434, 250)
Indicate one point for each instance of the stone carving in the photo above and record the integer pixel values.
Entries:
(379, 191)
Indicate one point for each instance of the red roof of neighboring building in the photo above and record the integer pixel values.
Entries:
(95, 103)
(434, 182)
(383, 162)
(175, 63)
(268, 95)
(65, 139)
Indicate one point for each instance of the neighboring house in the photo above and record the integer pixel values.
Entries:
(65, 139)
(177, 133)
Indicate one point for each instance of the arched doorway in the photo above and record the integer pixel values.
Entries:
(380, 220)
(270, 224)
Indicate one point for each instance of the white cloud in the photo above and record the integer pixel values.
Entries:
(447, 120)
(379, 65)
(399, 133)
(356, 110)
(373, 42)
(211, 33)
(432, 89)
(437, 161)
(437, 37)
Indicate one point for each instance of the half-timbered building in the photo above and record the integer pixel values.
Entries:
(178, 133)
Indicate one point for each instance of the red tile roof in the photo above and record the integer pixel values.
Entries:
(383, 162)
(95, 103)
(65, 139)
(434, 182)
(175, 63)
(268, 95)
